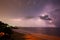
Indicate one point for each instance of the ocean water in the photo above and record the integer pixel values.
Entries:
(39, 30)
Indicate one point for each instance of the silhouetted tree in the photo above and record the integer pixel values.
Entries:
(5, 31)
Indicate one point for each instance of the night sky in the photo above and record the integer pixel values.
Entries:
(15, 12)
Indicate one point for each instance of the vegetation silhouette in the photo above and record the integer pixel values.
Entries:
(6, 32)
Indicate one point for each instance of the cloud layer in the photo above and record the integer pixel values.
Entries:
(11, 11)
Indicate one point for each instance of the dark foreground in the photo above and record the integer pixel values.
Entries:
(26, 33)
(20, 36)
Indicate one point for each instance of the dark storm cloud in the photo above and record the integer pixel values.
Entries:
(56, 13)
(56, 16)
